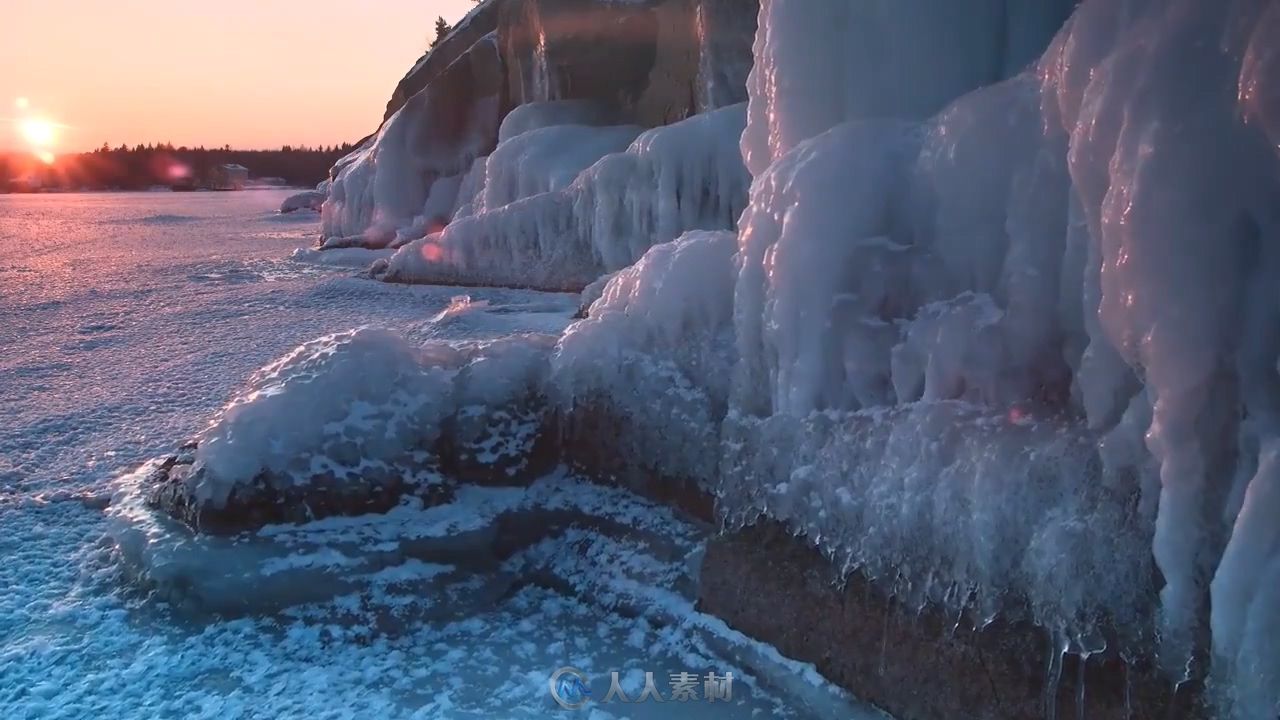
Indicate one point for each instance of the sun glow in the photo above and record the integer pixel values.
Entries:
(40, 133)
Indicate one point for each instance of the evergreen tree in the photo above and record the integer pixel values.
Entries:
(442, 29)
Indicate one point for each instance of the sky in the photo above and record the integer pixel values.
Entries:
(249, 73)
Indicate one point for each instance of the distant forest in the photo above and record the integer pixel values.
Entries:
(144, 166)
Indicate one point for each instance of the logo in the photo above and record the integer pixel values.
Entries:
(569, 688)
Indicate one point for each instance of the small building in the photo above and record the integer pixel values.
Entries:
(228, 177)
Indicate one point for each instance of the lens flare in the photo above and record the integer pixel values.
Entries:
(21, 103)
(46, 157)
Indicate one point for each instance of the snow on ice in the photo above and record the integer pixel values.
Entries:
(337, 618)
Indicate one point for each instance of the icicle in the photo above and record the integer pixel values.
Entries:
(1128, 687)
(884, 639)
(1080, 686)
(1053, 673)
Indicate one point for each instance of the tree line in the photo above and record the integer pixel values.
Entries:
(144, 166)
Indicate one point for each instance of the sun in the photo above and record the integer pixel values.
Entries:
(38, 132)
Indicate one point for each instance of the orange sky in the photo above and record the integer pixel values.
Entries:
(249, 73)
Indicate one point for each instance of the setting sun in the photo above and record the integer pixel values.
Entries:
(38, 132)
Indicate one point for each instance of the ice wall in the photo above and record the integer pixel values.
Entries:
(520, 223)
(1084, 245)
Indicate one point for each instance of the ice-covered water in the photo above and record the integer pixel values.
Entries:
(126, 321)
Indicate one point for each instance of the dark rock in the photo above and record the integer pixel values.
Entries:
(270, 500)
(512, 445)
(482, 21)
(577, 50)
(589, 435)
(656, 61)
(926, 666)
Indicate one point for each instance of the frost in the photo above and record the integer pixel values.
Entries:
(368, 390)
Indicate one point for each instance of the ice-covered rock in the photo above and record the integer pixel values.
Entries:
(655, 353)
(386, 183)
(306, 200)
(537, 115)
(352, 422)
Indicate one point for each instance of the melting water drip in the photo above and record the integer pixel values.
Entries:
(1058, 647)
(884, 640)
(1128, 689)
(1080, 679)
(1085, 646)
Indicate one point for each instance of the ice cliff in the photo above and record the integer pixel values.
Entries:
(999, 328)
(528, 113)
(1007, 336)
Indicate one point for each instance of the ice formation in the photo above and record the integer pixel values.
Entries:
(407, 169)
(520, 222)
(945, 258)
(348, 403)
(657, 349)
(998, 331)
(307, 199)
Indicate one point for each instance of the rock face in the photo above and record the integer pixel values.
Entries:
(923, 665)
(644, 62)
(480, 22)
(437, 133)
(666, 59)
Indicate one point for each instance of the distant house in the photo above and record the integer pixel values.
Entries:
(228, 177)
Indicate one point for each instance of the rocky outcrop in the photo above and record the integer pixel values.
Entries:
(918, 664)
(511, 445)
(479, 23)
(665, 59)
(647, 63)
(438, 132)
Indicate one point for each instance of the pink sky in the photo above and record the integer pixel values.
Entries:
(249, 73)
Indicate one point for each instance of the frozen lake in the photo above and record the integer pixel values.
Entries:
(127, 321)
